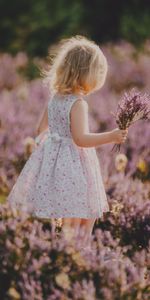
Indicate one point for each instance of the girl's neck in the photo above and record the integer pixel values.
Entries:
(78, 94)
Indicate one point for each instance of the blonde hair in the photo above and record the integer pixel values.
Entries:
(79, 66)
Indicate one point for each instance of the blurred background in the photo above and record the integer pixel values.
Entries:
(29, 29)
(32, 26)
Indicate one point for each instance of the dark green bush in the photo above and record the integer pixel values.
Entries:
(32, 26)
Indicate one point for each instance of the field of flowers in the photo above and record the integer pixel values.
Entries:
(34, 263)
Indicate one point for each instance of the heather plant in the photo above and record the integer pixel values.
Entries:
(22, 102)
(35, 259)
(129, 218)
(37, 265)
(18, 117)
(133, 107)
(9, 70)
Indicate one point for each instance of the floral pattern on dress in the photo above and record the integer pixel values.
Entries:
(60, 179)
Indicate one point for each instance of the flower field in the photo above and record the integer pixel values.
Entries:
(34, 263)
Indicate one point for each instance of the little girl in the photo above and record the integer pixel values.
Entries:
(62, 177)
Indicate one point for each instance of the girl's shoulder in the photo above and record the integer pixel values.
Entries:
(68, 96)
(69, 100)
(77, 101)
(79, 105)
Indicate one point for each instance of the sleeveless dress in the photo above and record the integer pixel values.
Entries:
(60, 179)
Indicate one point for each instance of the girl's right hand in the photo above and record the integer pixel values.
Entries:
(119, 136)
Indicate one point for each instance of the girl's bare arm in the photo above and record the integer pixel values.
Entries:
(80, 128)
(43, 121)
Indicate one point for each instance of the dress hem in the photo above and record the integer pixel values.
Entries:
(70, 216)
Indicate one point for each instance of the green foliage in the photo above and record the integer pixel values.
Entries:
(2, 198)
(32, 26)
(136, 29)
(30, 71)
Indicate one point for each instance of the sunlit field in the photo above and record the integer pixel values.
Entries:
(36, 264)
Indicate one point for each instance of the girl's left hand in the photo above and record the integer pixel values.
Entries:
(40, 137)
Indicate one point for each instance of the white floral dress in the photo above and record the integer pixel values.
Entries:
(60, 179)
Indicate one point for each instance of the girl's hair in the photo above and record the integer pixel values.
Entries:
(79, 66)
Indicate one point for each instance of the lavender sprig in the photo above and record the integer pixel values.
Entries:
(134, 106)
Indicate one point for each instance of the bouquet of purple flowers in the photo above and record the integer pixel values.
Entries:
(133, 106)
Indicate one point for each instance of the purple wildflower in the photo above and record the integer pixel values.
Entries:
(134, 106)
